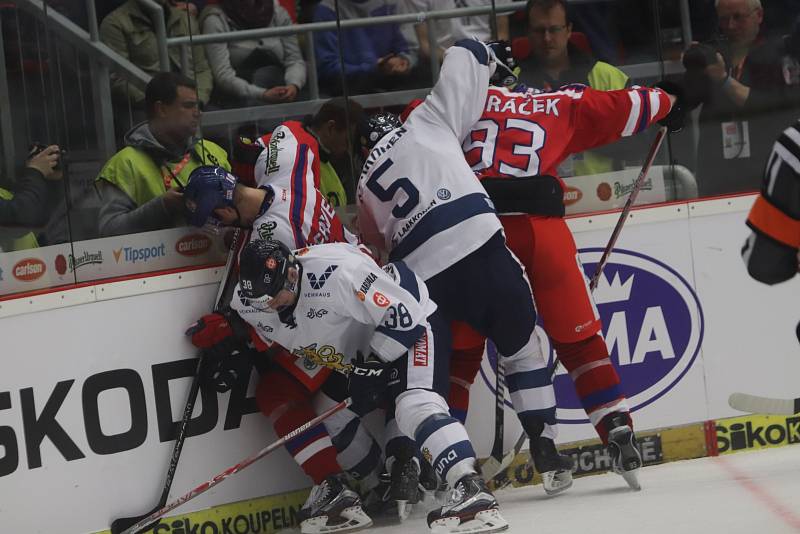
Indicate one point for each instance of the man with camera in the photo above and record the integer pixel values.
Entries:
(739, 78)
(22, 209)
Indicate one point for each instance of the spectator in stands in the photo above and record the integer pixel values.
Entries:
(130, 31)
(140, 185)
(555, 62)
(747, 100)
(22, 209)
(451, 30)
(255, 71)
(376, 58)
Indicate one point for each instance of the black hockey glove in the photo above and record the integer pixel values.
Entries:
(676, 119)
(222, 367)
(368, 384)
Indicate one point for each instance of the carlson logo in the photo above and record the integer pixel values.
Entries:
(572, 195)
(652, 324)
(29, 269)
(193, 245)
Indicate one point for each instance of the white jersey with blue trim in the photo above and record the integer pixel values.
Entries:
(346, 305)
(416, 190)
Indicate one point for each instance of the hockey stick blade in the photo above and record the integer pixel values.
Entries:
(219, 477)
(123, 523)
(755, 404)
(492, 469)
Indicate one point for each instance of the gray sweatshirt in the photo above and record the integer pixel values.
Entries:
(225, 58)
(119, 214)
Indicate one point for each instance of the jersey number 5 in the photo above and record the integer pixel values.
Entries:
(386, 194)
(530, 137)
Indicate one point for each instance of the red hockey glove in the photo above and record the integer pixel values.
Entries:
(210, 330)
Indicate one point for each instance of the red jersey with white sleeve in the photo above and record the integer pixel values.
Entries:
(300, 215)
(525, 134)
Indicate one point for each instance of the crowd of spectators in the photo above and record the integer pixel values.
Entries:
(743, 68)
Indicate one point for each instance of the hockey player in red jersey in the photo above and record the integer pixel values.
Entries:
(524, 137)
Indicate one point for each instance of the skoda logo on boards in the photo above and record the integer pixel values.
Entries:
(652, 324)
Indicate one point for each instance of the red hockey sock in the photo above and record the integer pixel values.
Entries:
(596, 380)
(286, 402)
(464, 366)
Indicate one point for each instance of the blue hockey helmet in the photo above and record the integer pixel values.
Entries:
(377, 126)
(209, 188)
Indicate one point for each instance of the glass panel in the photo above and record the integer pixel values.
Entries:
(38, 79)
(749, 97)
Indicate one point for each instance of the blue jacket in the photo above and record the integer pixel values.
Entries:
(361, 47)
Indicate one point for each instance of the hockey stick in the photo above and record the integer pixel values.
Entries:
(219, 477)
(495, 463)
(223, 297)
(755, 404)
(637, 185)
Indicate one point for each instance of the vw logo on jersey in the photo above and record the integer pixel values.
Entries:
(652, 324)
(443, 194)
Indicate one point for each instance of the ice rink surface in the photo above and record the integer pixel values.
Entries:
(750, 492)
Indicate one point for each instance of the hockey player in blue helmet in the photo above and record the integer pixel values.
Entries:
(209, 189)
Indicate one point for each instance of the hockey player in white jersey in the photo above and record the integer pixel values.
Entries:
(290, 391)
(420, 201)
(332, 305)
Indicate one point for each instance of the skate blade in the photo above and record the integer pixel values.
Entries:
(555, 482)
(404, 509)
(632, 478)
(484, 522)
(354, 519)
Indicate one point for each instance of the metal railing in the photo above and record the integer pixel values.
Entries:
(103, 59)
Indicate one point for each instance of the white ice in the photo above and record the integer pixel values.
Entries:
(750, 492)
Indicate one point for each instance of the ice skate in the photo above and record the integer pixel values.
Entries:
(555, 468)
(332, 507)
(626, 459)
(405, 487)
(471, 509)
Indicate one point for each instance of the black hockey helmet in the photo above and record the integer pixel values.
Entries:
(264, 271)
(377, 126)
(507, 71)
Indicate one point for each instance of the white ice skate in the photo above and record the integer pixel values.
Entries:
(332, 507)
(471, 509)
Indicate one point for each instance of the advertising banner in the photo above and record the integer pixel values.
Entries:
(92, 394)
(96, 259)
(90, 400)
(610, 190)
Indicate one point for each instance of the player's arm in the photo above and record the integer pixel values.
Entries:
(770, 252)
(602, 117)
(287, 161)
(389, 300)
(457, 100)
